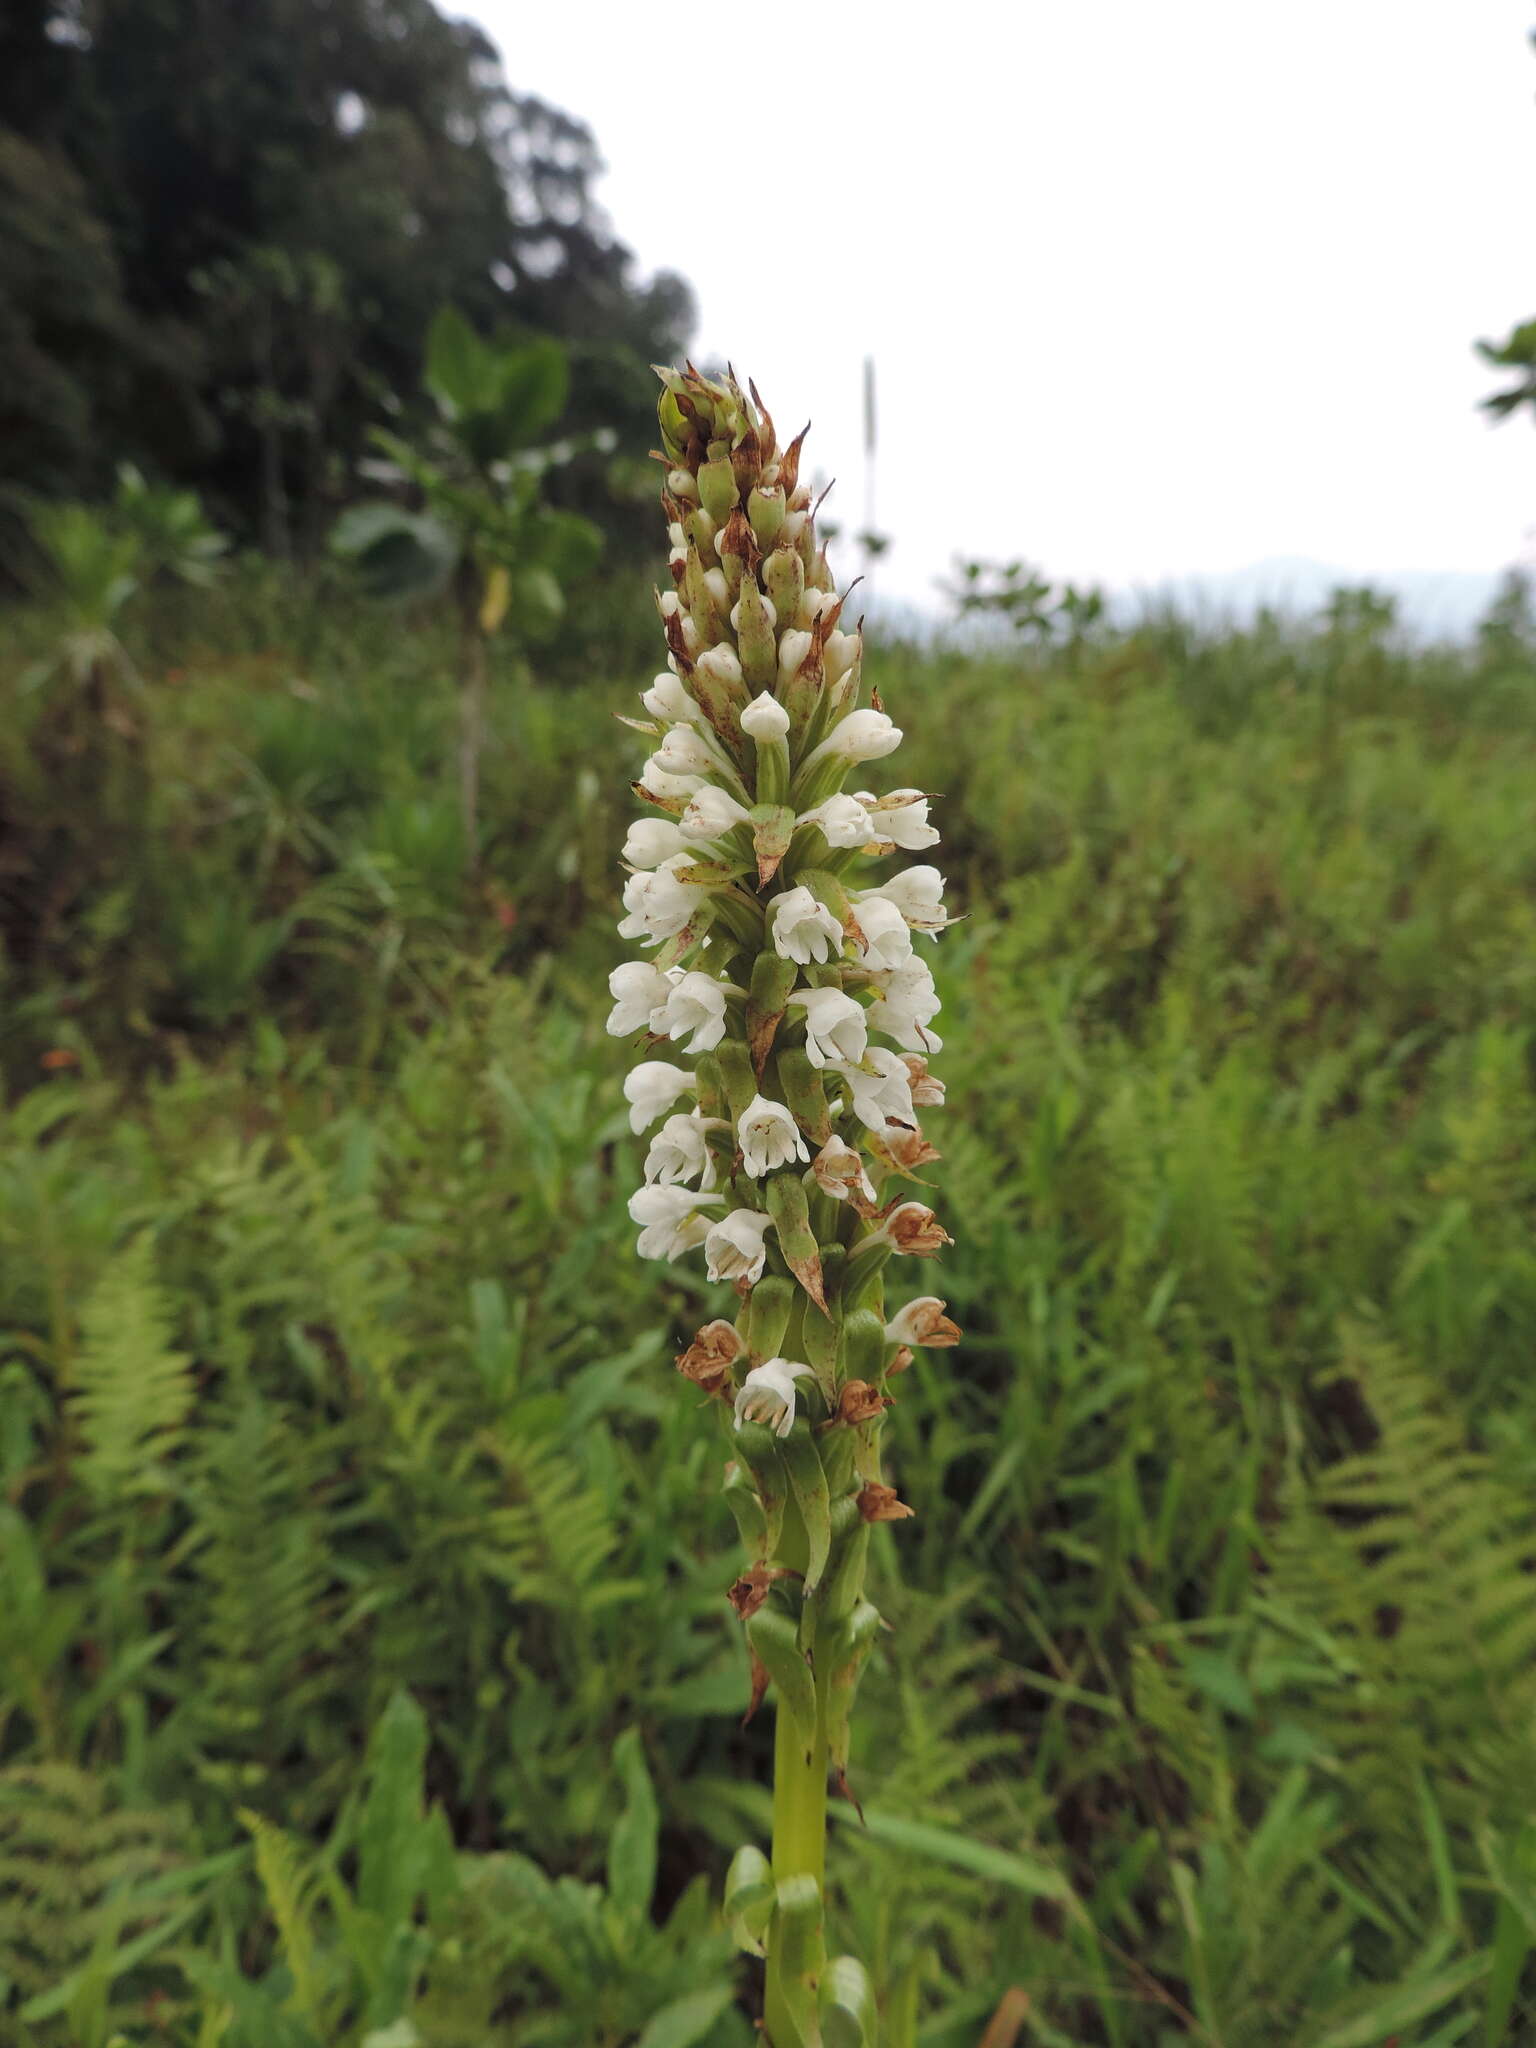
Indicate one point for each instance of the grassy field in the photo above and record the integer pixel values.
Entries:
(365, 1669)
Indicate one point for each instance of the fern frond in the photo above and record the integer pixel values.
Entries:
(278, 1866)
(1414, 1563)
(131, 1390)
(70, 1864)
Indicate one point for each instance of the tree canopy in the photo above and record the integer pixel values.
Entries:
(227, 225)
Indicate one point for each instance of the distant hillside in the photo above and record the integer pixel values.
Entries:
(1437, 603)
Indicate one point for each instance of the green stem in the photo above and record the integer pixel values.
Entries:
(799, 1848)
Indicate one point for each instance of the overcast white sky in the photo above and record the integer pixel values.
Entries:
(1150, 291)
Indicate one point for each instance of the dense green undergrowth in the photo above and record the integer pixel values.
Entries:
(365, 1667)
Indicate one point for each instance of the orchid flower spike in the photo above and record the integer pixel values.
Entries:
(776, 960)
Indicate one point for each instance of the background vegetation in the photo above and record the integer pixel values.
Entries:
(365, 1667)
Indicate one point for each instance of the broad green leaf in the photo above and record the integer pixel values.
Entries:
(687, 2019)
(632, 1844)
(538, 603)
(398, 554)
(848, 2017)
(389, 1837)
(459, 366)
(532, 383)
(564, 543)
(749, 1898)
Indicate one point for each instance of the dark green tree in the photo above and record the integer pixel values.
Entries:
(272, 198)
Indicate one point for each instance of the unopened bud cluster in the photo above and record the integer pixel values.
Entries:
(785, 1010)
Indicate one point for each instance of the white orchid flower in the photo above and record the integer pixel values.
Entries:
(651, 1088)
(659, 905)
(836, 1027)
(694, 1002)
(680, 1150)
(918, 893)
(842, 821)
(881, 1089)
(736, 1247)
(669, 1219)
(769, 1137)
(901, 818)
(638, 989)
(767, 1395)
(885, 940)
(655, 781)
(906, 1002)
(805, 930)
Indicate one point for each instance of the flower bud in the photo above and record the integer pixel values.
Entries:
(746, 460)
(765, 509)
(650, 841)
(666, 698)
(841, 652)
(794, 647)
(784, 574)
(765, 718)
(698, 528)
(772, 1304)
(754, 619)
(681, 484)
(717, 489)
(721, 664)
(711, 813)
(675, 426)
